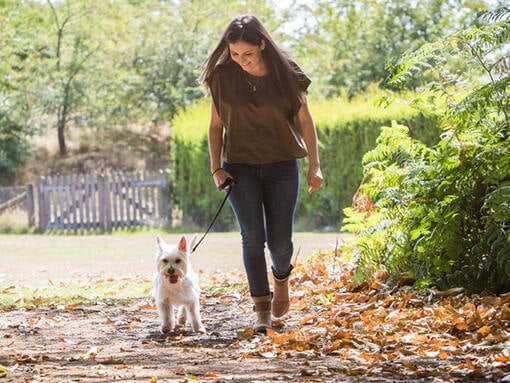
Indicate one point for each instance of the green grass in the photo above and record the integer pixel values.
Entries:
(50, 270)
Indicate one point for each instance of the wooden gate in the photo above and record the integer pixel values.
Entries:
(103, 202)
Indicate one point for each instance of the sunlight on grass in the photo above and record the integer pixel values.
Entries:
(72, 294)
(107, 290)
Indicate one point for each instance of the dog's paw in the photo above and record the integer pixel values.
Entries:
(200, 329)
(166, 328)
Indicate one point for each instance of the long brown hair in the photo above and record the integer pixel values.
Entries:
(249, 29)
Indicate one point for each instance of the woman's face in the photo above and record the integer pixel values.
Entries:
(248, 56)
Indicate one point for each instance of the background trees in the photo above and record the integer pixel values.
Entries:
(347, 43)
(440, 212)
(102, 64)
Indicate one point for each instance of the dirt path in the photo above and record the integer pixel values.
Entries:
(121, 342)
(333, 333)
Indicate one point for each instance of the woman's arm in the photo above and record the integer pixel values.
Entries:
(309, 132)
(215, 139)
(215, 147)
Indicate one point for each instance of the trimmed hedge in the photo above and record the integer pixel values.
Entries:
(191, 184)
(346, 131)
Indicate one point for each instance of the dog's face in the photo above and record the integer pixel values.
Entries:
(172, 260)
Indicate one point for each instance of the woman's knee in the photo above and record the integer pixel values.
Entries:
(282, 247)
(253, 239)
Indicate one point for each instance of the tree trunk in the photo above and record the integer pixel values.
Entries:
(62, 117)
(61, 138)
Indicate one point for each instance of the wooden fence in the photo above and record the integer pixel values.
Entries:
(103, 202)
(19, 196)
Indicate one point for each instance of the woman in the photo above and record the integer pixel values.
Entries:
(260, 125)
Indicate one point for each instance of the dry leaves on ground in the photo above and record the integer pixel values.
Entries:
(394, 333)
(333, 333)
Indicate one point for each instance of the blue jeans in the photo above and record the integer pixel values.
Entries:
(264, 200)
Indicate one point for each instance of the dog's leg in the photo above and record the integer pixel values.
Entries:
(195, 319)
(166, 314)
(182, 316)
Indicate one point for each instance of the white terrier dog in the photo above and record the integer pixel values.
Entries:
(176, 285)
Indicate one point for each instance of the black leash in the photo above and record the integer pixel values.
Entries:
(228, 182)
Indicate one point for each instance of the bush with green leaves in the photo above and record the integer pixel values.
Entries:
(346, 130)
(14, 148)
(441, 215)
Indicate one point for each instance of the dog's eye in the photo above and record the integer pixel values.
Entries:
(178, 260)
(165, 261)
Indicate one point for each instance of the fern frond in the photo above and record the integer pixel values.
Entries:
(474, 42)
(494, 15)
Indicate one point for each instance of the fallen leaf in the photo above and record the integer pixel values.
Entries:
(470, 364)
(92, 353)
(247, 333)
(484, 331)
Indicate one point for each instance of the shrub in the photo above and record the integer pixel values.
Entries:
(441, 215)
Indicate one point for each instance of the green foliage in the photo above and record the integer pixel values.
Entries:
(14, 148)
(349, 41)
(346, 130)
(97, 64)
(191, 184)
(93, 64)
(442, 214)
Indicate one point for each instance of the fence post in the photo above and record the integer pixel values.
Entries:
(100, 202)
(103, 194)
(42, 205)
(30, 204)
(107, 203)
(165, 217)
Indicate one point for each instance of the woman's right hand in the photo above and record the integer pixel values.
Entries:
(220, 176)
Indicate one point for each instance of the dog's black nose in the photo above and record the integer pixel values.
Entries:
(171, 270)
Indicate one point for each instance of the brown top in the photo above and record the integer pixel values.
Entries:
(259, 123)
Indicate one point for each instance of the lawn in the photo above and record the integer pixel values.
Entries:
(37, 259)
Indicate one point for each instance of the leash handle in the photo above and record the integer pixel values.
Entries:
(228, 181)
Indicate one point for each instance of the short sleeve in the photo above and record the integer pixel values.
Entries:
(303, 81)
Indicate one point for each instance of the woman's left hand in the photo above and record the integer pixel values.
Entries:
(314, 178)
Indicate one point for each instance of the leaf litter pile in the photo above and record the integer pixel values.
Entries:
(333, 333)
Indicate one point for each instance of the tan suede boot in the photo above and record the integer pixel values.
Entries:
(280, 304)
(262, 308)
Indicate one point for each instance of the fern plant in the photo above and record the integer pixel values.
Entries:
(442, 214)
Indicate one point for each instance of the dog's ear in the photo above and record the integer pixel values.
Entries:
(159, 242)
(183, 244)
